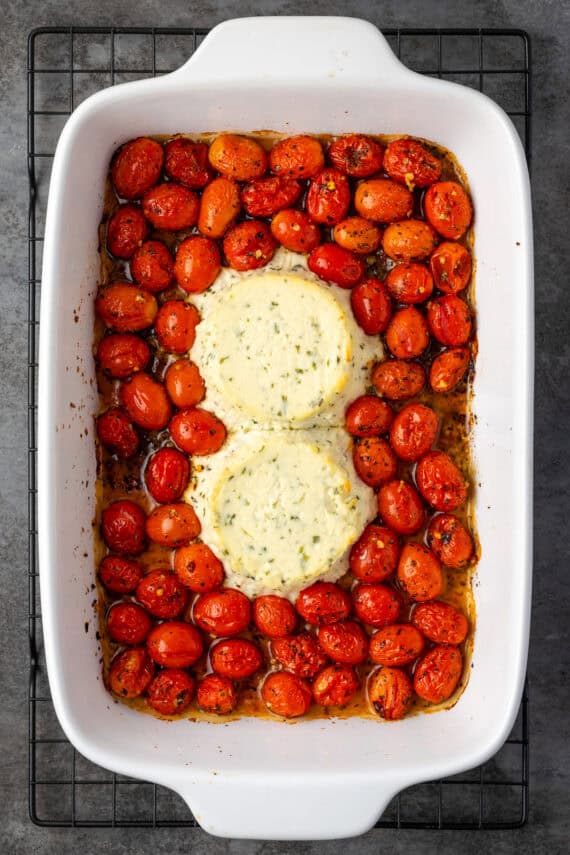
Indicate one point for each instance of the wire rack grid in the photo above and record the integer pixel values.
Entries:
(65, 66)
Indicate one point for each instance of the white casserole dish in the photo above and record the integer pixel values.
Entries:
(259, 778)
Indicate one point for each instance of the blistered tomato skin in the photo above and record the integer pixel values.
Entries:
(451, 267)
(249, 245)
(171, 691)
(237, 157)
(383, 201)
(390, 693)
(116, 432)
(374, 556)
(225, 612)
(184, 383)
(398, 380)
(409, 240)
(187, 162)
(197, 264)
(167, 474)
(374, 460)
(216, 695)
(401, 507)
(219, 207)
(197, 431)
(266, 196)
(323, 602)
(396, 645)
(414, 431)
(297, 157)
(411, 163)
(357, 155)
(438, 673)
(146, 402)
(440, 622)
(344, 641)
(449, 320)
(335, 685)
(407, 335)
(337, 265)
(301, 654)
(328, 198)
(119, 575)
(295, 231)
(126, 308)
(410, 283)
(126, 231)
(128, 623)
(136, 167)
(448, 208)
(274, 616)
(420, 573)
(448, 369)
(122, 354)
(236, 658)
(198, 568)
(450, 540)
(369, 416)
(371, 305)
(376, 605)
(123, 527)
(175, 326)
(173, 525)
(174, 644)
(286, 695)
(440, 481)
(358, 235)
(171, 207)
(152, 266)
(131, 672)
(162, 594)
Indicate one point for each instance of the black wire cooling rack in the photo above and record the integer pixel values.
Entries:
(65, 66)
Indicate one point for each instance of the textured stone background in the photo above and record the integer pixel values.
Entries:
(548, 23)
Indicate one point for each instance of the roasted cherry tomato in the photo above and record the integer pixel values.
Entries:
(136, 167)
(175, 325)
(414, 431)
(131, 672)
(369, 416)
(162, 594)
(358, 235)
(173, 525)
(376, 605)
(300, 654)
(371, 305)
(344, 641)
(237, 157)
(440, 482)
(249, 245)
(119, 575)
(295, 231)
(286, 695)
(448, 369)
(274, 616)
(383, 201)
(174, 644)
(225, 612)
(374, 556)
(409, 240)
(187, 162)
(419, 572)
(374, 460)
(197, 264)
(398, 644)
(184, 383)
(167, 474)
(297, 157)
(171, 207)
(335, 264)
(400, 507)
(152, 266)
(409, 283)
(328, 197)
(451, 267)
(265, 196)
(390, 693)
(117, 433)
(126, 231)
(171, 691)
(126, 308)
(122, 354)
(219, 206)
(357, 155)
(450, 540)
(449, 320)
(123, 527)
(448, 208)
(335, 685)
(235, 658)
(407, 334)
(128, 623)
(323, 602)
(437, 674)
(441, 623)
(198, 568)
(146, 402)
(197, 431)
(410, 163)
(397, 380)
(216, 695)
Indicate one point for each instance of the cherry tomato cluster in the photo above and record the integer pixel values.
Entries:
(183, 209)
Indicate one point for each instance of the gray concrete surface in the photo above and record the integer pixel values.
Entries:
(548, 23)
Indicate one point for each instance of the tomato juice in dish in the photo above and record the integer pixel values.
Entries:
(285, 340)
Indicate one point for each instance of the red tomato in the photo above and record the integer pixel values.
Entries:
(407, 335)
(295, 231)
(414, 431)
(357, 234)
(401, 507)
(197, 264)
(286, 695)
(356, 155)
(119, 575)
(123, 527)
(198, 568)
(171, 691)
(197, 431)
(323, 602)
(335, 264)
(411, 163)
(376, 605)
(152, 266)
(438, 673)
(116, 432)
(274, 616)
(219, 206)
(390, 693)
(419, 572)
(383, 201)
(441, 623)
(410, 283)
(344, 641)
(451, 267)
(136, 167)
(216, 695)
(146, 402)
(126, 230)
(300, 654)
(335, 685)
(128, 623)
(184, 383)
(131, 672)
(173, 525)
(249, 245)
(187, 162)
(371, 305)
(448, 208)
(175, 325)
(265, 196)
(126, 308)
(368, 416)
(398, 380)
(409, 240)
(448, 369)
(236, 658)
(171, 207)
(174, 644)
(162, 594)
(167, 474)
(398, 644)
(328, 198)
(237, 157)
(121, 354)
(450, 540)
(449, 320)
(374, 556)
(225, 612)
(440, 482)
(297, 157)
(374, 460)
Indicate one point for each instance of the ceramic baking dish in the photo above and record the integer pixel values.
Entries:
(260, 778)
